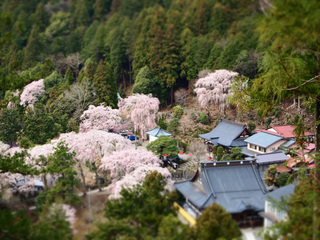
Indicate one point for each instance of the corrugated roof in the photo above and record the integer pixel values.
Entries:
(288, 143)
(263, 139)
(225, 133)
(271, 157)
(237, 187)
(281, 192)
(156, 132)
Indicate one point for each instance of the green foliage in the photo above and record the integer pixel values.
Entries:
(11, 125)
(69, 77)
(162, 122)
(177, 111)
(16, 164)
(39, 126)
(283, 179)
(163, 145)
(139, 212)
(173, 125)
(14, 226)
(209, 225)
(252, 126)
(236, 153)
(61, 162)
(220, 153)
(204, 119)
(268, 122)
(105, 85)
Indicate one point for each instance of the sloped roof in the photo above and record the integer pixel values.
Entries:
(271, 158)
(156, 132)
(286, 131)
(263, 139)
(281, 192)
(225, 133)
(289, 143)
(236, 186)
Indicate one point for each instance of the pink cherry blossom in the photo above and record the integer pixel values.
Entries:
(100, 118)
(142, 110)
(214, 88)
(31, 92)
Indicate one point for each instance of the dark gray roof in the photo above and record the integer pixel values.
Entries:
(288, 143)
(156, 132)
(281, 192)
(236, 186)
(225, 133)
(238, 143)
(271, 157)
(263, 139)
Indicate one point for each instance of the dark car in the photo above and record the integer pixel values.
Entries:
(132, 137)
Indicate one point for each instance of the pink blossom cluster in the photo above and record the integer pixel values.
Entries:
(93, 145)
(100, 118)
(31, 92)
(143, 111)
(123, 162)
(214, 88)
(137, 176)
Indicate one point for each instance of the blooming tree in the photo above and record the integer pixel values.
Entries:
(142, 109)
(100, 118)
(67, 210)
(31, 92)
(3, 147)
(123, 162)
(137, 176)
(214, 88)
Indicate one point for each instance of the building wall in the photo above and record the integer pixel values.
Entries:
(257, 149)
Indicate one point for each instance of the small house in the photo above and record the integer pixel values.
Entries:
(157, 132)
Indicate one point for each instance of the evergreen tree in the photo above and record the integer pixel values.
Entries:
(33, 48)
(105, 85)
(69, 77)
(11, 125)
(61, 162)
(41, 18)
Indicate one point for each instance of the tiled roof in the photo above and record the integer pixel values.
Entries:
(286, 131)
(236, 186)
(263, 139)
(281, 192)
(225, 133)
(271, 157)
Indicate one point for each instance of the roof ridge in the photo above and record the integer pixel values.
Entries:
(234, 123)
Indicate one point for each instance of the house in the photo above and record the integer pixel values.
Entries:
(304, 156)
(262, 142)
(157, 132)
(272, 213)
(287, 131)
(235, 185)
(265, 160)
(227, 134)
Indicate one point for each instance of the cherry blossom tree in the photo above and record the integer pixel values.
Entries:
(100, 118)
(123, 162)
(31, 92)
(3, 147)
(137, 176)
(214, 88)
(143, 111)
(92, 146)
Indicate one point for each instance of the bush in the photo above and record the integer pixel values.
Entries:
(162, 123)
(269, 120)
(25, 143)
(204, 119)
(194, 117)
(251, 126)
(177, 111)
(283, 179)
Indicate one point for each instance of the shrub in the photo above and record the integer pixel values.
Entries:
(283, 179)
(251, 126)
(177, 111)
(173, 125)
(204, 119)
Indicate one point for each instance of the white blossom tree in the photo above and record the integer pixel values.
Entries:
(100, 118)
(31, 92)
(214, 88)
(142, 109)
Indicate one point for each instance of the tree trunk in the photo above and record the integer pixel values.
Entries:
(96, 174)
(44, 179)
(84, 188)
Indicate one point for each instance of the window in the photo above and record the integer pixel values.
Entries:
(261, 149)
(272, 149)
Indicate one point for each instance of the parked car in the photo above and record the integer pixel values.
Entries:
(132, 137)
